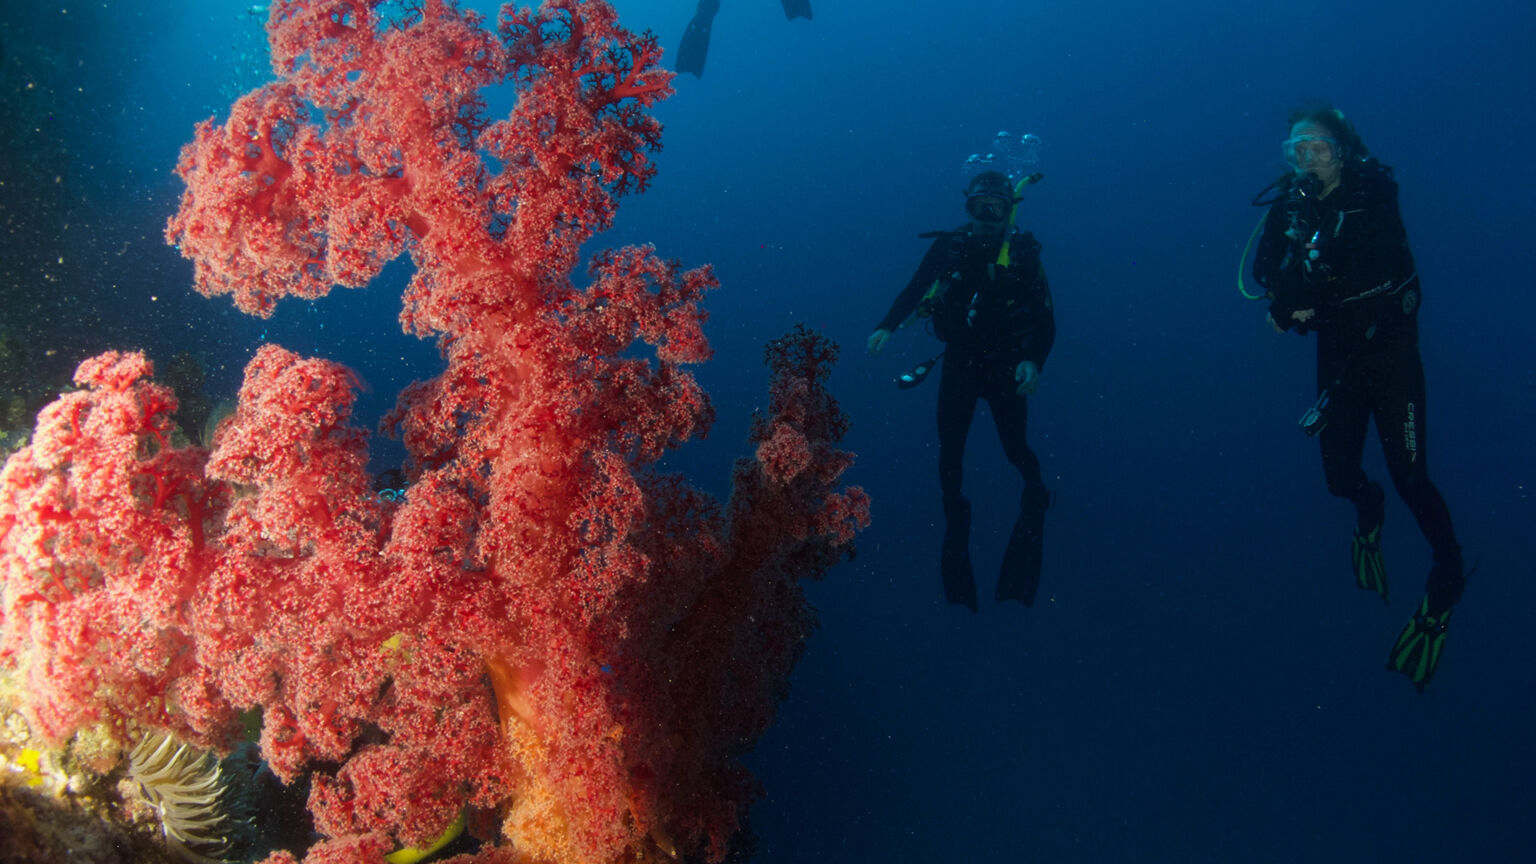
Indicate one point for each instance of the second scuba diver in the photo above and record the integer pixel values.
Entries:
(1334, 259)
(985, 288)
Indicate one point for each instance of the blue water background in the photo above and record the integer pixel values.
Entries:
(1200, 680)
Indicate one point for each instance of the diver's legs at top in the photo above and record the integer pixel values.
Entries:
(956, 405)
(694, 49)
(1401, 423)
(797, 9)
(1019, 577)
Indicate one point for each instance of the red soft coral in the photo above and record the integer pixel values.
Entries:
(546, 625)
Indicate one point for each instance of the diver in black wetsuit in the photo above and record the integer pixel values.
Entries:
(694, 49)
(986, 290)
(1334, 259)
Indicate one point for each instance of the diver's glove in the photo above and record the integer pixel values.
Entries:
(1417, 650)
(877, 340)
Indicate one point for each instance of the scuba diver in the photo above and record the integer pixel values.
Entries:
(1334, 258)
(985, 289)
(695, 46)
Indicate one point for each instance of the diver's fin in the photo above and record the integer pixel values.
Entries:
(955, 558)
(959, 584)
(1365, 550)
(797, 9)
(1416, 653)
(695, 48)
(1019, 578)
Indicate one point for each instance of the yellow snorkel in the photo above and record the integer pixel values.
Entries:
(413, 854)
(1018, 195)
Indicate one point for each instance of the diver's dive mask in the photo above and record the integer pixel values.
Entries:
(1304, 151)
(988, 205)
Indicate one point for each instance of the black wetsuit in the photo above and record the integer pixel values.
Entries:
(1366, 293)
(992, 318)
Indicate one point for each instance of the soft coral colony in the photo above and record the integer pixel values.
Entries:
(547, 629)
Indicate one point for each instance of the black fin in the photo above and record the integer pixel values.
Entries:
(695, 48)
(1019, 578)
(797, 9)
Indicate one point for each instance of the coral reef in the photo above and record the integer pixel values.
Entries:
(548, 635)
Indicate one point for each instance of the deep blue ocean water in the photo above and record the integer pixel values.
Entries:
(1200, 680)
